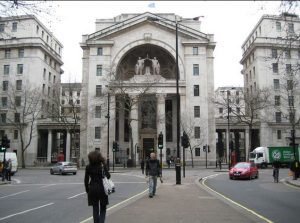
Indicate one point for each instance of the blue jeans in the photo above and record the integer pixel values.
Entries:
(99, 218)
(152, 185)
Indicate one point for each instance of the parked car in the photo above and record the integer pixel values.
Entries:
(246, 170)
(64, 168)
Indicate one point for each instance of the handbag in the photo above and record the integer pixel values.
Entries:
(108, 184)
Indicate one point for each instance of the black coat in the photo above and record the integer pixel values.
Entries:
(94, 185)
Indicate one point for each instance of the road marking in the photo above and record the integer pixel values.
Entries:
(49, 185)
(17, 181)
(234, 202)
(21, 192)
(76, 195)
(23, 212)
(118, 204)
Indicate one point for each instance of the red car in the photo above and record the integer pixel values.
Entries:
(244, 170)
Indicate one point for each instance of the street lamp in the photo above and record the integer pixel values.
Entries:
(108, 117)
(177, 165)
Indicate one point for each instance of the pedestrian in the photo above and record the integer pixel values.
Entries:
(276, 166)
(94, 185)
(143, 166)
(8, 170)
(4, 168)
(220, 163)
(153, 170)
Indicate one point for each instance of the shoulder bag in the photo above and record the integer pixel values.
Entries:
(109, 186)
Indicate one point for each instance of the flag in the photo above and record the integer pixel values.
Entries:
(151, 5)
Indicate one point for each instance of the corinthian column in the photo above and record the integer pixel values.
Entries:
(134, 127)
(161, 120)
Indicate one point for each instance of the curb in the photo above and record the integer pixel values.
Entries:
(292, 184)
(5, 182)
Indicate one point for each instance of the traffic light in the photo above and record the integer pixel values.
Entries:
(185, 142)
(160, 140)
(115, 147)
(5, 142)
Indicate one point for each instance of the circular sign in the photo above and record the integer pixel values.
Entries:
(276, 154)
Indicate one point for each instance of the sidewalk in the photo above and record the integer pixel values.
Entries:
(185, 203)
(289, 180)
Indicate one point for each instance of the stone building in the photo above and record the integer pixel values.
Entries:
(30, 58)
(130, 61)
(270, 61)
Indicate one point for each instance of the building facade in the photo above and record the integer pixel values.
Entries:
(30, 61)
(129, 63)
(270, 61)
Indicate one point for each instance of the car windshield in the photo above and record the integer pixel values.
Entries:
(242, 165)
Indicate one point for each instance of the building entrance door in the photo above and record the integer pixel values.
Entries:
(148, 146)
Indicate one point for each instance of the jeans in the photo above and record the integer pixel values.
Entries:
(99, 218)
(152, 185)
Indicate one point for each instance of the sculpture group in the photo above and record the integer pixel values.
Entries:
(139, 67)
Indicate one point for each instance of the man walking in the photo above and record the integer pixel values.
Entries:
(153, 170)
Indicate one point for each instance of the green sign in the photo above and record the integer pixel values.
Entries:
(283, 154)
(2, 150)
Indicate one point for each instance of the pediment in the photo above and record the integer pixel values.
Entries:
(163, 23)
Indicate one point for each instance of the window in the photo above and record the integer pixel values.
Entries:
(99, 70)
(1, 28)
(237, 92)
(19, 85)
(18, 100)
(5, 85)
(78, 101)
(195, 50)
(3, 117)
(277, 100)
(62, 101)
(44, 74)
(47, 39)
(17, 117)
(37, 29)
(196, 69)
(49, 89)
(45, 58)
(275, 67)
(197, 132)
(289, 84)
(254, 72)
(21, 53)
(20, 69)
(14, 26)
(54, 79)
(44, 88)
(4, 102)
(278, 26)
(100, 51)
(71, 102)
(287, 54)
(238, 110)
(42, 34)
(278, 117)
(196, 90)
(278, 134)
(16, 134)
(197, 151)
(288, 68)
(291, 100)
(274, 53)
(49, 77)
(220, 110)
(78, 93)
(7, 53)
(6, 69)
(98, 90)
(97, 132)
(291, 27)
(197, 111)
(276, 84)
(298, 54)
(98, 112)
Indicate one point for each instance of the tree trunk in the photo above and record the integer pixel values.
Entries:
(191, 150)
(250, 142)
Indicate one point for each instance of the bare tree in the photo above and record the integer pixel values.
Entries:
(130, 93)
(245, 107)
(23, 111)
(188, 125)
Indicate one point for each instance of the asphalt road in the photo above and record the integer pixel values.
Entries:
(37, 196)
(277, 202)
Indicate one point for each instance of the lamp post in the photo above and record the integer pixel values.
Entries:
(108, 117)
(177, 164)
(228, 129)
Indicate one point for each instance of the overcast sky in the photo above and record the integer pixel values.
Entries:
(230, 22)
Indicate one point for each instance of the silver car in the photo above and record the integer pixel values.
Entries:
(64, 168)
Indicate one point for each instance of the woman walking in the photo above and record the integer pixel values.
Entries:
(94, 185)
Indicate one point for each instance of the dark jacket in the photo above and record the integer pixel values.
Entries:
(153, 168)
(93, 184)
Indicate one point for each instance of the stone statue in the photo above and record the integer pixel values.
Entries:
(155, 66)
(139, 66)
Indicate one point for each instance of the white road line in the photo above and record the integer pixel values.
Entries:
(49, 185)
(118, 204)
(23, 212)
(21, 192)
(17, 181)
(76, 195)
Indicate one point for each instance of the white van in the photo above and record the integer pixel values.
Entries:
(14, 161)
